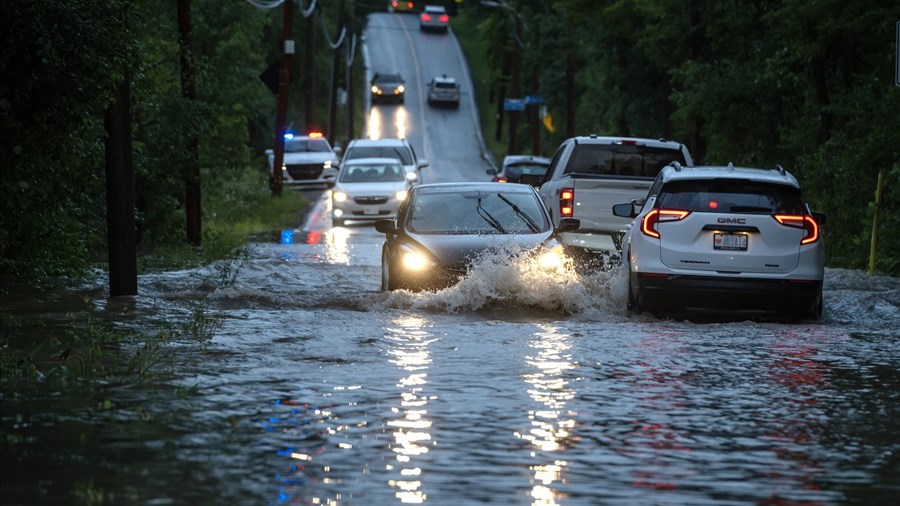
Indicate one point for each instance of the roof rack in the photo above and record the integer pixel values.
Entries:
(675, 165)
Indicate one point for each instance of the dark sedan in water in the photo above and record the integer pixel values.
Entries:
(442, 228)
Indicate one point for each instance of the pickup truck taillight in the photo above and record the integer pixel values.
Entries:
(566, 202)
(648, 224)
(800, 221)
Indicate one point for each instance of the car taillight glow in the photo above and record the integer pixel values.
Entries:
(426, 17)
(648, 224)
(409, 4)
(807, 223)
(444, 18)
(567, 202)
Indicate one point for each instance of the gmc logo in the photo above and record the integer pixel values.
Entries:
(737, 221)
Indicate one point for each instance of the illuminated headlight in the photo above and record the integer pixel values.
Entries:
(415, 261)
(339, 196)
(376, 90)
(412, 176)
(552, 258)
(327, 164)
(401, 195)
(400, 89)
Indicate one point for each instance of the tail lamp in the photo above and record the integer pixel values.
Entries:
(651, 219)
(807, 223)
(566, 202)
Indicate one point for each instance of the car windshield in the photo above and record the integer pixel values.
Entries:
(731, 196)
(477, 212)
(374, 173)
(302, 145)
(622, 159)
(387, 78)
(445, 85)
(381, 152)
(521, 169)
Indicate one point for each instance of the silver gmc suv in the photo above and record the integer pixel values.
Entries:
(724, 238)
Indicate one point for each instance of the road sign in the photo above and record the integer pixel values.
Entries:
(534, 99)
(513, 104)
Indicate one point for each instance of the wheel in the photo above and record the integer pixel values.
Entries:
(818, 310)
(633, 305)
(390, 278)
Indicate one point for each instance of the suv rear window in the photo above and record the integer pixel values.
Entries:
(621, 160)
(731, 196)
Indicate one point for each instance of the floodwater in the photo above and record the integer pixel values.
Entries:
(300, 383)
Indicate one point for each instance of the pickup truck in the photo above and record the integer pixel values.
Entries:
(590, 174)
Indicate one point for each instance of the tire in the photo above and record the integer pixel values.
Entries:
(819, 309)
(633, 305)
(389, 276)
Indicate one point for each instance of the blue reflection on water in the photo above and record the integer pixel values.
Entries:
(287, 236)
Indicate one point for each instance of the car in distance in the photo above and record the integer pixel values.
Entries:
(524, 169)
(727, 239)
(588, 174)
(441, 228)
(387, 87)
(434, 18)
(401, 6)
(368, 189)
(309, 160)
(386, 147)
(443, 90)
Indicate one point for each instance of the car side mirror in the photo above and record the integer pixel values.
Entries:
(819, 217)
(624, 210)
(337, 149)
(423, 164)
(568, 225)
(385, 226)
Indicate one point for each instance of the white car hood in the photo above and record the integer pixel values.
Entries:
(308, 157)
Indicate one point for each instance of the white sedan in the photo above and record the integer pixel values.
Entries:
(368, 189)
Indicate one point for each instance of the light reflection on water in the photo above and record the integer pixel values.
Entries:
(552, 426)
(409, 350)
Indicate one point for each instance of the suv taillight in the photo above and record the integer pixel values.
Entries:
(566, 202)
(807, 223)
(648, 224)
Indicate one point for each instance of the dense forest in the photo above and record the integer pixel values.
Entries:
(808, 85)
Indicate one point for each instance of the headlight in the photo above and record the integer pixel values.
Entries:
(414, 261)
(552, 258)
(327, 164)
(375, 89)
(339, 196)
(400, 89)
(401, 195)
(412, 176)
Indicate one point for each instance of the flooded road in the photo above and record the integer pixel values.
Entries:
(315, 388)
(287, 378)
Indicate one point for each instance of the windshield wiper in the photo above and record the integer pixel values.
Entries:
(488, 218)
(521, 214)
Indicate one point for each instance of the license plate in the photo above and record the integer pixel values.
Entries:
(370, 211)
(731, 242)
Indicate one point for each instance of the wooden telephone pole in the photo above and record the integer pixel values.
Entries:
(284, 79)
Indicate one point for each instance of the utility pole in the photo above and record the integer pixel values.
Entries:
(332, 101)
(310, 74)
(284, 79)
(188, 91)
(120, 241)
(351, 48)
(516, 91)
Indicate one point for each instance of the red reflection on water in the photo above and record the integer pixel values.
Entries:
(314, 237)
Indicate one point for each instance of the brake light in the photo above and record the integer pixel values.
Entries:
(648, 224)
(807, 223)
(444, 18)
(426, 17)
(628, 142)
(566, 202)
(409, 4)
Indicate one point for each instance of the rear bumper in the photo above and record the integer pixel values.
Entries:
(730, 294)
